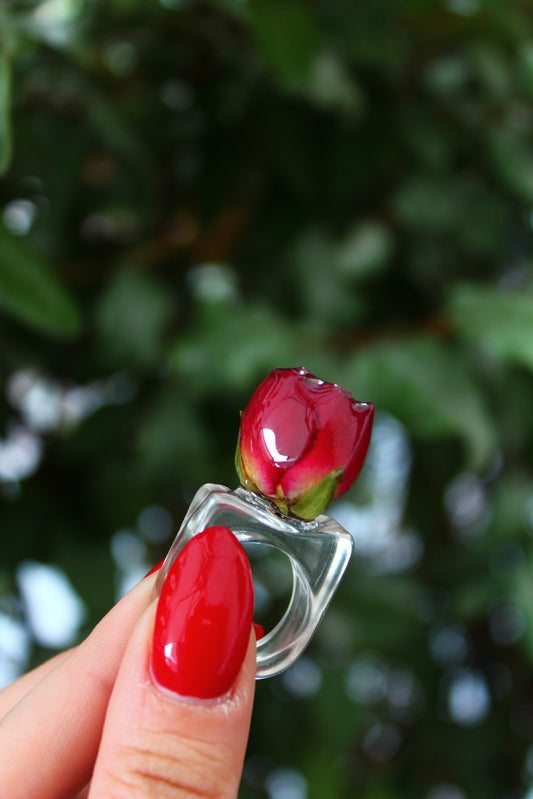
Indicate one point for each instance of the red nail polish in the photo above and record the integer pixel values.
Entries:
(259, 631)
(204, 616)
(154, 568)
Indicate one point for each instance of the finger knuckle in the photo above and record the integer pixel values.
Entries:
(152, 767)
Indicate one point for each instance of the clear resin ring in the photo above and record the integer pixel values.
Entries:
(318, 551)
(302, 442)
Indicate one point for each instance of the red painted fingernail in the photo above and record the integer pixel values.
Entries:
(259, 631)
(154, 569)
(204, 617)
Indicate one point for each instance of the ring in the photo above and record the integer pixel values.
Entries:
(318, 551)
(302, 443)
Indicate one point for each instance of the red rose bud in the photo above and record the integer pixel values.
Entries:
(302, 441)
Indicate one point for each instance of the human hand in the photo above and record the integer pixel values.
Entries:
(155, 702)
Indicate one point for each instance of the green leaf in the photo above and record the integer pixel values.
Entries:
(461, 206)
(172, 439)
(525, 66)
(491, 67)
(366, 250)
(426, 203)
(331, 86)
(116, 132)
(510, 507)
(501, 322)
(234, 347)
(131, 318)
(31, 292)
(289, 36)
(428, 139)
(321, 287)
(522, 592)
(5, 114)
(448, 75)
(428, 386)
(512, 160)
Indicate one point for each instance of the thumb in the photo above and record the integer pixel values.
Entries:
(178, 720)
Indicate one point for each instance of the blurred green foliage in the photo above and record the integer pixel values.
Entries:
(194, 193)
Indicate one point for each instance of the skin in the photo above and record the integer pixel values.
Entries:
(90, 723)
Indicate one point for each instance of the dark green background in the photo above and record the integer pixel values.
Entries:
(195, 193)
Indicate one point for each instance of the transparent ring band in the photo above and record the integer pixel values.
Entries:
(318, 551)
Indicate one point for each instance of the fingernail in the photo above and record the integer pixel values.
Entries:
(204, 617)
(154, 569)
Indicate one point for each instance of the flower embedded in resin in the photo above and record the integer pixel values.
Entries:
(302, 441)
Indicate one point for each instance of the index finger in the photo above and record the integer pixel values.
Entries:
(50, 738)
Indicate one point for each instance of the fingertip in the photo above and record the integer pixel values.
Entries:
(259, 631)
(154, 569)
(155, 734)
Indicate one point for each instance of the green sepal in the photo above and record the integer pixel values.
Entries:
(241, 474)
(311, 505)
(281, 504)
(238, 462)
(317, 500)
